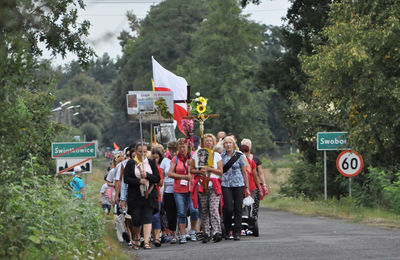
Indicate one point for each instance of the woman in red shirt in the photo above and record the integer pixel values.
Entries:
(254, 183)
(179, 170)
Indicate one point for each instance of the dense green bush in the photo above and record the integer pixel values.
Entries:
(373, 187)
(308, 178)
(392, 194)
(305, 179)
(40, 219)
(91, 131)
(379, 188)
(368, 188)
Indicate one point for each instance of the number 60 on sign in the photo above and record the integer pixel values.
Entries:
(349, 163)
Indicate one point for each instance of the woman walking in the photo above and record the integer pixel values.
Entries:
(157, 155)
(209, 200)
(141, 175)
(169, 200)
(179, 170)
(234, 184)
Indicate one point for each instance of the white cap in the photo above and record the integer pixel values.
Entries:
(77, 169)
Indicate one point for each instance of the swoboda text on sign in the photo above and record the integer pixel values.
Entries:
(332, 141)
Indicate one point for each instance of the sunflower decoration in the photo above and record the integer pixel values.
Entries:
(199, 107)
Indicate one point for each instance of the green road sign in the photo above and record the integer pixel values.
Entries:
(332, 141)
(73, 150)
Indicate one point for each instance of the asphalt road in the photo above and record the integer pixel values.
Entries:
(284, 235)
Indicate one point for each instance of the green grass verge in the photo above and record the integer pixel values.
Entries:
(341, 209)
(113, 249)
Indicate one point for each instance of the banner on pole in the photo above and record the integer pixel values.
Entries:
(144, 101)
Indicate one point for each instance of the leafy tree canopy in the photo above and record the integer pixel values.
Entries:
(165, 33)
(220, 67)
(355, 76)
(25, 99)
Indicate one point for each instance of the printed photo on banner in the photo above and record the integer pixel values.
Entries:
(203, 157)
(132, 103)
(139, 100)
(146, 102)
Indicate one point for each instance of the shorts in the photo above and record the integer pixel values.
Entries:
(106, 208)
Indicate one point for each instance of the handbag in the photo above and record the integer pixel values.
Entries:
(248, 201)
(231, 161)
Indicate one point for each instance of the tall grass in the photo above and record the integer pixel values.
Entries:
(276, 174)
(112, 248)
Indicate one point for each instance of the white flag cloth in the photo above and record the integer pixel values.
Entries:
(165, 80)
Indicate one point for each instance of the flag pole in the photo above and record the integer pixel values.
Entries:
(151, 135)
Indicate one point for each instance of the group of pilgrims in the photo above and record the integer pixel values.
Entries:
(157, 190)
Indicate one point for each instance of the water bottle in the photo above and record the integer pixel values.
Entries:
(115, 209)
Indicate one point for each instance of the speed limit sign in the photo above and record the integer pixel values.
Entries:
(349, 163)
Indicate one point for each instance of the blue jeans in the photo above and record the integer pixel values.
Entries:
(156, 222)
(183, 202)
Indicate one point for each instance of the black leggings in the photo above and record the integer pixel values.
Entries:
(233, 201)
(170, 210)
(141, 215)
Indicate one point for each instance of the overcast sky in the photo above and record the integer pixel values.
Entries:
(108, 19)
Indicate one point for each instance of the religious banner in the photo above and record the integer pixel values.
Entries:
(156, 106)
(203, 158)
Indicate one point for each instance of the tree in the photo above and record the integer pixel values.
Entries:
(166, 34)
(25, 96)
(92, 110)
(81, 84)
(90, 131)
(103, 69)
(220, 67)
(38, 205)
(355, 73)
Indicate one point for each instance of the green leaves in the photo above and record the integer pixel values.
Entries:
(42, 219)
(34, 239)
(222, 59)
(356, 67)
(29, 226)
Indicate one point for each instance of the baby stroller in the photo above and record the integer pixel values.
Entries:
(249, 222)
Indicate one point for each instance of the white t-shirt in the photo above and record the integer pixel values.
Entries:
(111, 175)
(105, 194)
(168, 182)
(118, 169)
(216, 159)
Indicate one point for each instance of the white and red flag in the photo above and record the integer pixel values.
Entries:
(165, 80)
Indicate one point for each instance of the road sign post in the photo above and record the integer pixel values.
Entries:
(67, 165)
(349, 164)
(71, 154)
(73, 150)
(330, 141)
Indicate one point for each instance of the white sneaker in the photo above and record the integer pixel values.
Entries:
(249, 233)
(182, 240)
(193, 236)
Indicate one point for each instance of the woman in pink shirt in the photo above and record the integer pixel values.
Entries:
(179, 170)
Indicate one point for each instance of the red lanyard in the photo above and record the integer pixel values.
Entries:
(185, 164)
